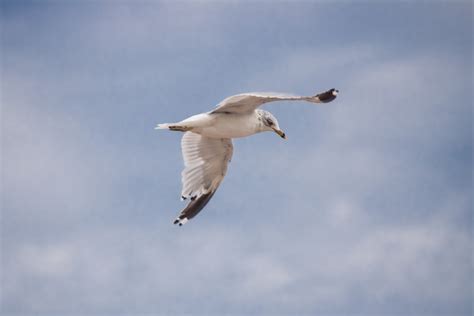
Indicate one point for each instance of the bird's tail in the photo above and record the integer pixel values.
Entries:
(163, 126)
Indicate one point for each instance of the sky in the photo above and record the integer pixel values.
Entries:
(366, 209)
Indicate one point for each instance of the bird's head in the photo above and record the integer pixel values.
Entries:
(270, 123)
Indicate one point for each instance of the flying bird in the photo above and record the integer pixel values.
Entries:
(207, 141)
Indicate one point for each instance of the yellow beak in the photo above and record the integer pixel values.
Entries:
(280, 133)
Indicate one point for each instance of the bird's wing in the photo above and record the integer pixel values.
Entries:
(205, 161)
(247, 102)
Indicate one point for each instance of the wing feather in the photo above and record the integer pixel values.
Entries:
(205, 161)
(247, 102)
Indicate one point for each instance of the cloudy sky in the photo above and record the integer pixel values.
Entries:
(365, 210)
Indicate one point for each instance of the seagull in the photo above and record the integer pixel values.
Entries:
(207, 141)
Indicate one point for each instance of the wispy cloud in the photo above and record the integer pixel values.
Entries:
(365, 210)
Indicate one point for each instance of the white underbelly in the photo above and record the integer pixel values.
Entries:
(231, 126)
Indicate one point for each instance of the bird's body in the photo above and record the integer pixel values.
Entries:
(207, 142)
(224, 125)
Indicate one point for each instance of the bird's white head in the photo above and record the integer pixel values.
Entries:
(269, 123)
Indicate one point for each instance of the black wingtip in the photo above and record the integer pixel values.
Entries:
(181, 221)
(328, 96)
(193, 208)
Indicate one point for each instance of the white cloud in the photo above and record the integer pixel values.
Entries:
(354, 213)
(139, 270)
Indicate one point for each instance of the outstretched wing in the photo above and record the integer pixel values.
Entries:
(205, 161)
(247, 102)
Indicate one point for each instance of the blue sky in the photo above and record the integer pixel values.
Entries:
(366, 209)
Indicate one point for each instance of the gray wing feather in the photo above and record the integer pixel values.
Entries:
(205, 161)
(247, 102)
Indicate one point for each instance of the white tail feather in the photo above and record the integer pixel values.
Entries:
(162, 126)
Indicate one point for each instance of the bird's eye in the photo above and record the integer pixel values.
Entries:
(269, 122)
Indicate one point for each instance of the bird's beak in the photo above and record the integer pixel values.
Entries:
(280, 133)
